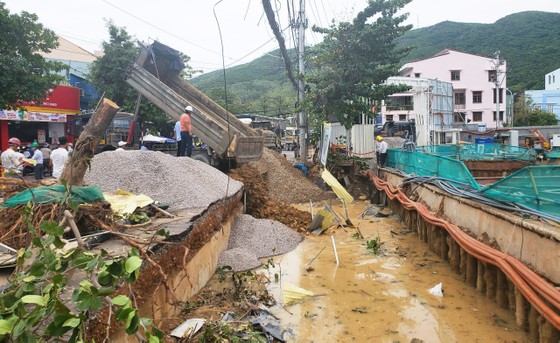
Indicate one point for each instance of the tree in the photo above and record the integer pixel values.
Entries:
(24, 74)
(525, 113)
(354, 59)
(107, 75)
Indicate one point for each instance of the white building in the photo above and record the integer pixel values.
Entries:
(552, 80)
(428, 102)
(475, 80)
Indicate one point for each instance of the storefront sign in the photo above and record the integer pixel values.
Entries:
(32, 116)
(62, 98)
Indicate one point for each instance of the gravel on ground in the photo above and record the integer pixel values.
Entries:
(286, 183)
(181, 182)
(252, 239)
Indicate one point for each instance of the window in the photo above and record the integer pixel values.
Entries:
(549, 79)
(407, 100)
(455, 75)
(501, 115)
(402, 117)
(389, 117)
(500, 95)
(477, 97)
(458, 117)
(492, 75)
(416, 75)
(477, 116)
(551, 108)
(459, 98)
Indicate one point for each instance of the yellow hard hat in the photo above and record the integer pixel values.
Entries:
(379, 138)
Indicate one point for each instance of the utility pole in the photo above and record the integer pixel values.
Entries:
(497, 66)
(302, 126)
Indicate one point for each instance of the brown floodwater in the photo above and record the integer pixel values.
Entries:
(384, 297)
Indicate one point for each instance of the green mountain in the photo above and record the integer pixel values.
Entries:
(528, 41)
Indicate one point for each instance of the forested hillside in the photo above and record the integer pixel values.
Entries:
(528, 41)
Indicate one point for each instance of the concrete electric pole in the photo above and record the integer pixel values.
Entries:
(302, 125)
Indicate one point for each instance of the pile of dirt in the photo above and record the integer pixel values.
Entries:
(261, 205)
(286, 183)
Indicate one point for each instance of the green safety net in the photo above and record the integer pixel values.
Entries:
(536, 187)
(427, 164)
(486, 151)
(55, 193)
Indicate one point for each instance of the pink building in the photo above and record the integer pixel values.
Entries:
(475, 80)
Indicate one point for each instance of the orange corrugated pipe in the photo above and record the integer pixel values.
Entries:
(530, 284)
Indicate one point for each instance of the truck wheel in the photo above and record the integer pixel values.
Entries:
(202, 158)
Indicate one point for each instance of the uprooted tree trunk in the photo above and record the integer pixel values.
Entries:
(86, 145)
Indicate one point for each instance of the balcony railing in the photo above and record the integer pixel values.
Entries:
(399, 107)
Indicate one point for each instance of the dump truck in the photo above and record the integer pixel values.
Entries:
(156, 75)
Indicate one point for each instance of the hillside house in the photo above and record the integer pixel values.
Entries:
(475, 80)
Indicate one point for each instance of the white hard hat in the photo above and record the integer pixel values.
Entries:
(121, 143)
(188, 109)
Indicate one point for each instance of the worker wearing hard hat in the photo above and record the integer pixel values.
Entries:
(381, 151)
(185, 144)
(121, 145)
(11, 159)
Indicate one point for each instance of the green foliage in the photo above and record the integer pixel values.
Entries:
(526, 114)
(374, 245)
(33, 306)
(528, 41)
(260, 87)
(353, 58)
(24, 74)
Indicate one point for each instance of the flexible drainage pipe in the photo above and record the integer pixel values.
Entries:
(533, 287)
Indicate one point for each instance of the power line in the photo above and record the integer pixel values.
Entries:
(165, 31)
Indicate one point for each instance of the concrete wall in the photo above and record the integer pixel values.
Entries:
(534, 243)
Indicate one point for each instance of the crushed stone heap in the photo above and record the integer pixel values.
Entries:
(286, 183)
(252, 239)
(181, 182)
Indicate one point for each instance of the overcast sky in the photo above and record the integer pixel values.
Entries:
(190, 25)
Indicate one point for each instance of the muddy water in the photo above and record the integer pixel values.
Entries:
(385, 298)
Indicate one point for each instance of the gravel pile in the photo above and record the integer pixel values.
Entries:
(252, 239)
(181, 182)
(286, 183)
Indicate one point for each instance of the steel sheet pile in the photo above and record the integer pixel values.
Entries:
(181, 182)
(252, 239)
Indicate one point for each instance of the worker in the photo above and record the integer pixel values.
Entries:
(381, 151)
(37, 156)
(177, 137)
(186, 132)
(11, 159)
(59, 157)
(121, 145)
(46, 157)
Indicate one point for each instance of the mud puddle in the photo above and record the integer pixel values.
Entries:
(383, 298)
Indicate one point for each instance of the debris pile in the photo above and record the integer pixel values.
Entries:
(252, 239)
(260, 205)
(182, 183)
(14, 229)
(286, 183)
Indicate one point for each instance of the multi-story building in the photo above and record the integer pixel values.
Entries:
(428, 102)
(475, 80)
(548, 99)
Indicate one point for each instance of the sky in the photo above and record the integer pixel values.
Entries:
(190, 26)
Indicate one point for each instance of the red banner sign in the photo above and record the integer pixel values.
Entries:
(62, 98)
